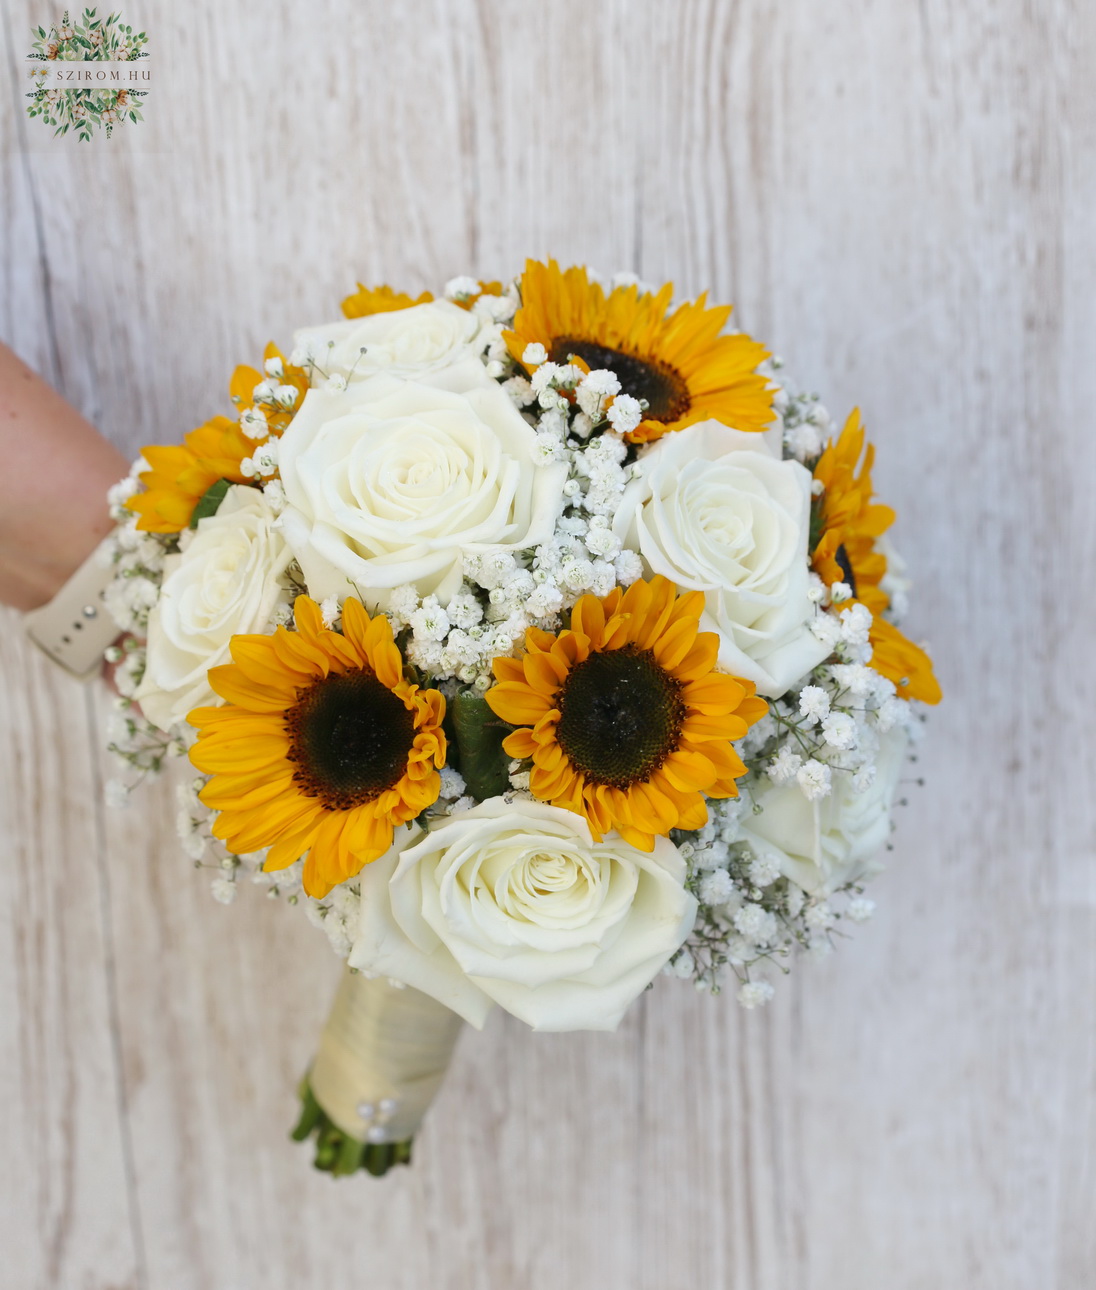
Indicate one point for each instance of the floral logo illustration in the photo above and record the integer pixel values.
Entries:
(82, 81)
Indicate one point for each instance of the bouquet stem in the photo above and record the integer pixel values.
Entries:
(382, 1056)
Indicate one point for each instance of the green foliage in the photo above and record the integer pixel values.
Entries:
(479, 735)
(339, 1154)
(210, 501)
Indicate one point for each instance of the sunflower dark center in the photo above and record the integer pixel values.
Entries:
(620, 716)
(841, 556)
(349, 737)
(661, 385)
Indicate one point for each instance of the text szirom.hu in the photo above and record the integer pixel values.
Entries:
(90, 75)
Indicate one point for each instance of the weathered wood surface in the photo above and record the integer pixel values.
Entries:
(898, 197)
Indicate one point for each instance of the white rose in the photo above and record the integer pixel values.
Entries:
(226, 582)
(715, 511)
(824, 844)
(403, 342)
(392, 482)
(514, 903)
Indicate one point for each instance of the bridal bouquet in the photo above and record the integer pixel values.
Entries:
(536, 640)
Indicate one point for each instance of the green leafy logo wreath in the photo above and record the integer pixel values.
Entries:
(91, 40)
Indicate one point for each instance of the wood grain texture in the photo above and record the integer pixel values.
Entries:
(898, 198)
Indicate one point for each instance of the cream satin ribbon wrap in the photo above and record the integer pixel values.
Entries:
(382, 1057)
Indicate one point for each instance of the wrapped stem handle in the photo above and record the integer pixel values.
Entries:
(382, 1056)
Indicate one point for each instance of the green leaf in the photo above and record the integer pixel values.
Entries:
(816, 522)
(479, 735)
(349, 1158)
(311, 1115)
(210, 500)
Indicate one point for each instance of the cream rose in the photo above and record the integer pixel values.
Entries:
(823, 845)
(403, 342)
(514, 903)
(714, 510)
(393, 481)
(225, 582)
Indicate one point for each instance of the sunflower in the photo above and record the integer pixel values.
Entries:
(848, 524)
(380, 300)
(623, 715)
(678, 362)
(322, 746)
(180, 475)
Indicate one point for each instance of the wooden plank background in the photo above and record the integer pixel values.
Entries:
(899, 198)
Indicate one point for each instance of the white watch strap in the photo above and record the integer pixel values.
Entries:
(75, 628)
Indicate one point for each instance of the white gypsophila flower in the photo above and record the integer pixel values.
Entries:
(819, 917)
(840, 592)
(329, 611)
(398, 482)
(534, 355)
(716, 887)
(465, 611)
(498, 309)
(804, 440)
(784, 765)
(274, 367)
(253, 423)
(403, 602)
(892, 712)
(857, 679)
(116, 794)
(714, 510)
(544, 378)
(275, 495)
(860, 909)
(430, 622)
(594, 389)
(682, 965)
(794, 900)
(814, 779)
(460, 288)
(856, 624)
(625, 414)
(555, 915)
(225, 583)
(628, 567)
(223, 890)
(764, 869)
(756, 924)
(452, 783)
(814, 704)
(755, 994)
(194, 844)
(839, 730)
(417, 343)
(547, 448)
(120, 493)
(602, 542)
(827, 630)
(266, 457)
